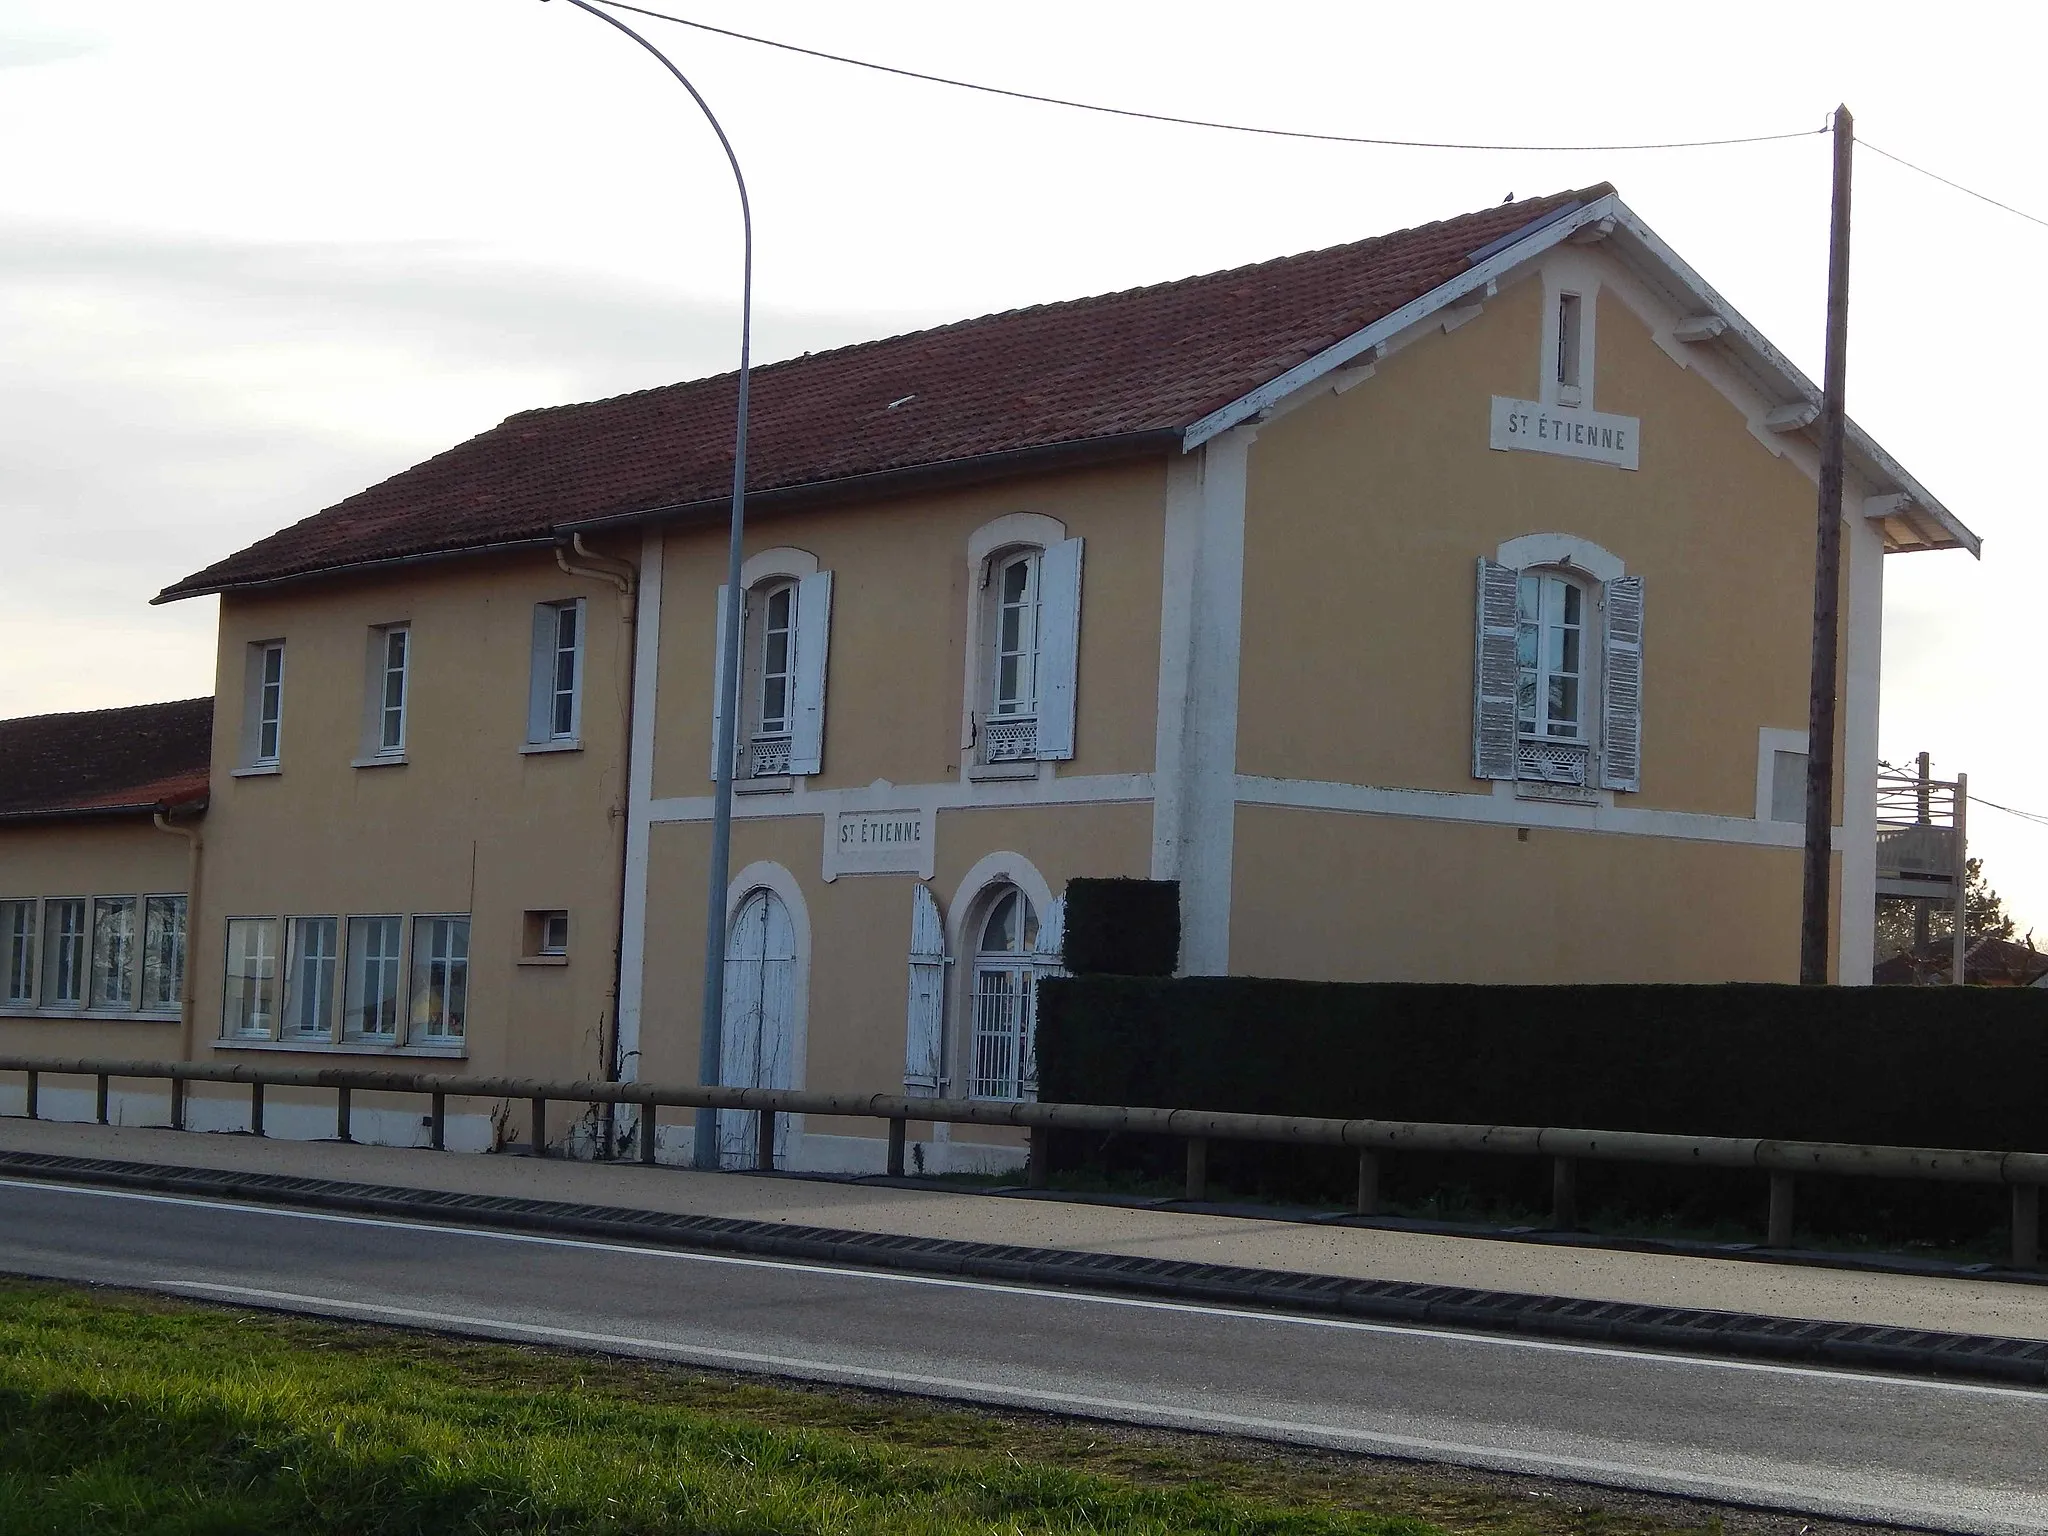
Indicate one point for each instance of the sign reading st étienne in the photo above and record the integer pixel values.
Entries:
(1529, 426)
(879, 842)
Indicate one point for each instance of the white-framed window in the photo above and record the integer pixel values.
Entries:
(387, 692)
(554, 715)
(113, 952)
(249, 999)
(312, 957)
(18, 952)
(1024, 643)
(440, 977)
(1570, 348)
(163, 953)
(371, 1003)
(785, 636)
(64, 952)
(263, 707)
(1558, 670)
(552, 937)
(1004, 997)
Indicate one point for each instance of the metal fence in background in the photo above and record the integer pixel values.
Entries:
(1781, 1161)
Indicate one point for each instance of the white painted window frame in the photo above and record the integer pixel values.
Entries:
(174, 1004)
(989, 547)
(351, 1032)
(21, 942)
(1573, 275)
(131, 981)
(229, 1029)
(377, 672)
(337, 984)
(419, 973)
(47, 961)
(262, 708)
(964, 915)
(1770, 741)
(796, 751)
(544, 691)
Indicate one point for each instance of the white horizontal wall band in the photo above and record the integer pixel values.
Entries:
(1083, 789)
(1504, 810)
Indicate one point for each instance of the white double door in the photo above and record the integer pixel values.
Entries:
(758, 1038)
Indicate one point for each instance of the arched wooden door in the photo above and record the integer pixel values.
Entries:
(758, 1040)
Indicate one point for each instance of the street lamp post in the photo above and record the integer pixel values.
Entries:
(710, 1044)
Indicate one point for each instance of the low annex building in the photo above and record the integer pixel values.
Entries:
(1434, 607)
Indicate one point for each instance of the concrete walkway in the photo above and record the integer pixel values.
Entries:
(1734, 1285)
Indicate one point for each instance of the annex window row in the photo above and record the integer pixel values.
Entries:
(378, 979)
(554, 711)
(122, 954)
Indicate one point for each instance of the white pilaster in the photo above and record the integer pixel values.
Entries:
(639, 802)
(1194, 808)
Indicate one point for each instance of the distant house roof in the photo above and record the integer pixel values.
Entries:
(106, 762)
(1141, 372)
(1986, 962)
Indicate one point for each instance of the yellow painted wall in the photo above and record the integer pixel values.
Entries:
(468, 824)
(1335, 897)
(1367, 511)
(129, 857)
(899, 623)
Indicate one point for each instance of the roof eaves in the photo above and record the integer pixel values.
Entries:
(192, 587)
(1874, 462)
(59, 813)
(1489, 263)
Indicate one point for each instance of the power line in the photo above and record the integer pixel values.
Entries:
(1966, 191)
(1200, 122)
(2033, 816)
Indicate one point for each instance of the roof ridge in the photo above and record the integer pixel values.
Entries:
(111, 709)
(1598, 189)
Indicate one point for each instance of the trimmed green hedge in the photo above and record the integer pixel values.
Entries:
(1934, 1066)
(1122, 927)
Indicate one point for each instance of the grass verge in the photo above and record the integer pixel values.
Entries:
(128, 1413)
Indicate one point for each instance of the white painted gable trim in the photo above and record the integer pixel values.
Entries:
(1338, 354)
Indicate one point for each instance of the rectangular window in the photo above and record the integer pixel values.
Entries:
(312, 945)
(249, 1002)
(554, 712)
(440, 976)
(1788, 787)
(391, 661)
(1569, 341)
(1550, 650)
(64, 952)
(17, 952)
(163, 953)
(113, 952)
(269, 703)
(547, 933)
(777, 634)
(372, 1002)
(1016, 647)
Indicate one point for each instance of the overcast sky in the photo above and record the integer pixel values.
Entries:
(255, 256)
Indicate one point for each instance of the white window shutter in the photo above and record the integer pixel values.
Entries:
(923, 1036)
(813, 642)
(1621, 702)
(540, 687)
(718, 677)
(1046, 960)
(1059, 647)
(1496, 672)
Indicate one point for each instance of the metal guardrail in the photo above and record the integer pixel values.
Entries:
(2023, 1172)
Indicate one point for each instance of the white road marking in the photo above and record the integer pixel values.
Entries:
(1799, 1496)
(1090, 1298)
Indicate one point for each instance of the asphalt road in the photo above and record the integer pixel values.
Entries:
(1951, 1456)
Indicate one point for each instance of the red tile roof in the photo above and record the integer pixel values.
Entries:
(106, 762)
(1128, 369)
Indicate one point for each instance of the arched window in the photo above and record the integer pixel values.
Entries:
(768, 710)
(1011, 708)
(1555, 663)
(757, 1036)
(1004, 998)
(785, 626)
(1023, 639)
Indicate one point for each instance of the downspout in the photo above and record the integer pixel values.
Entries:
(624, 575)
(193, 845)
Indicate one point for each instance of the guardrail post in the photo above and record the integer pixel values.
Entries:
(177, 1104)
(764, 1140)
(898, 1130)
(437, 1123)
(1778, 1232)
(1198, 1168)
(100, 1098)
(2026, 1226)
(1039, 1169)
(540, 1127)
(1564, 1194)
(342, 1110)
(647, 1129)
(35, 1094)
(1368, 1202)
(256, 1108)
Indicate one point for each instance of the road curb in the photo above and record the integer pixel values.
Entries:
(1685, 1330)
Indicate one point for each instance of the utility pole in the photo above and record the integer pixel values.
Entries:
(1921, 910)
(1827, 573)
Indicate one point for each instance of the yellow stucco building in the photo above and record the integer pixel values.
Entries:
(1431, 608)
